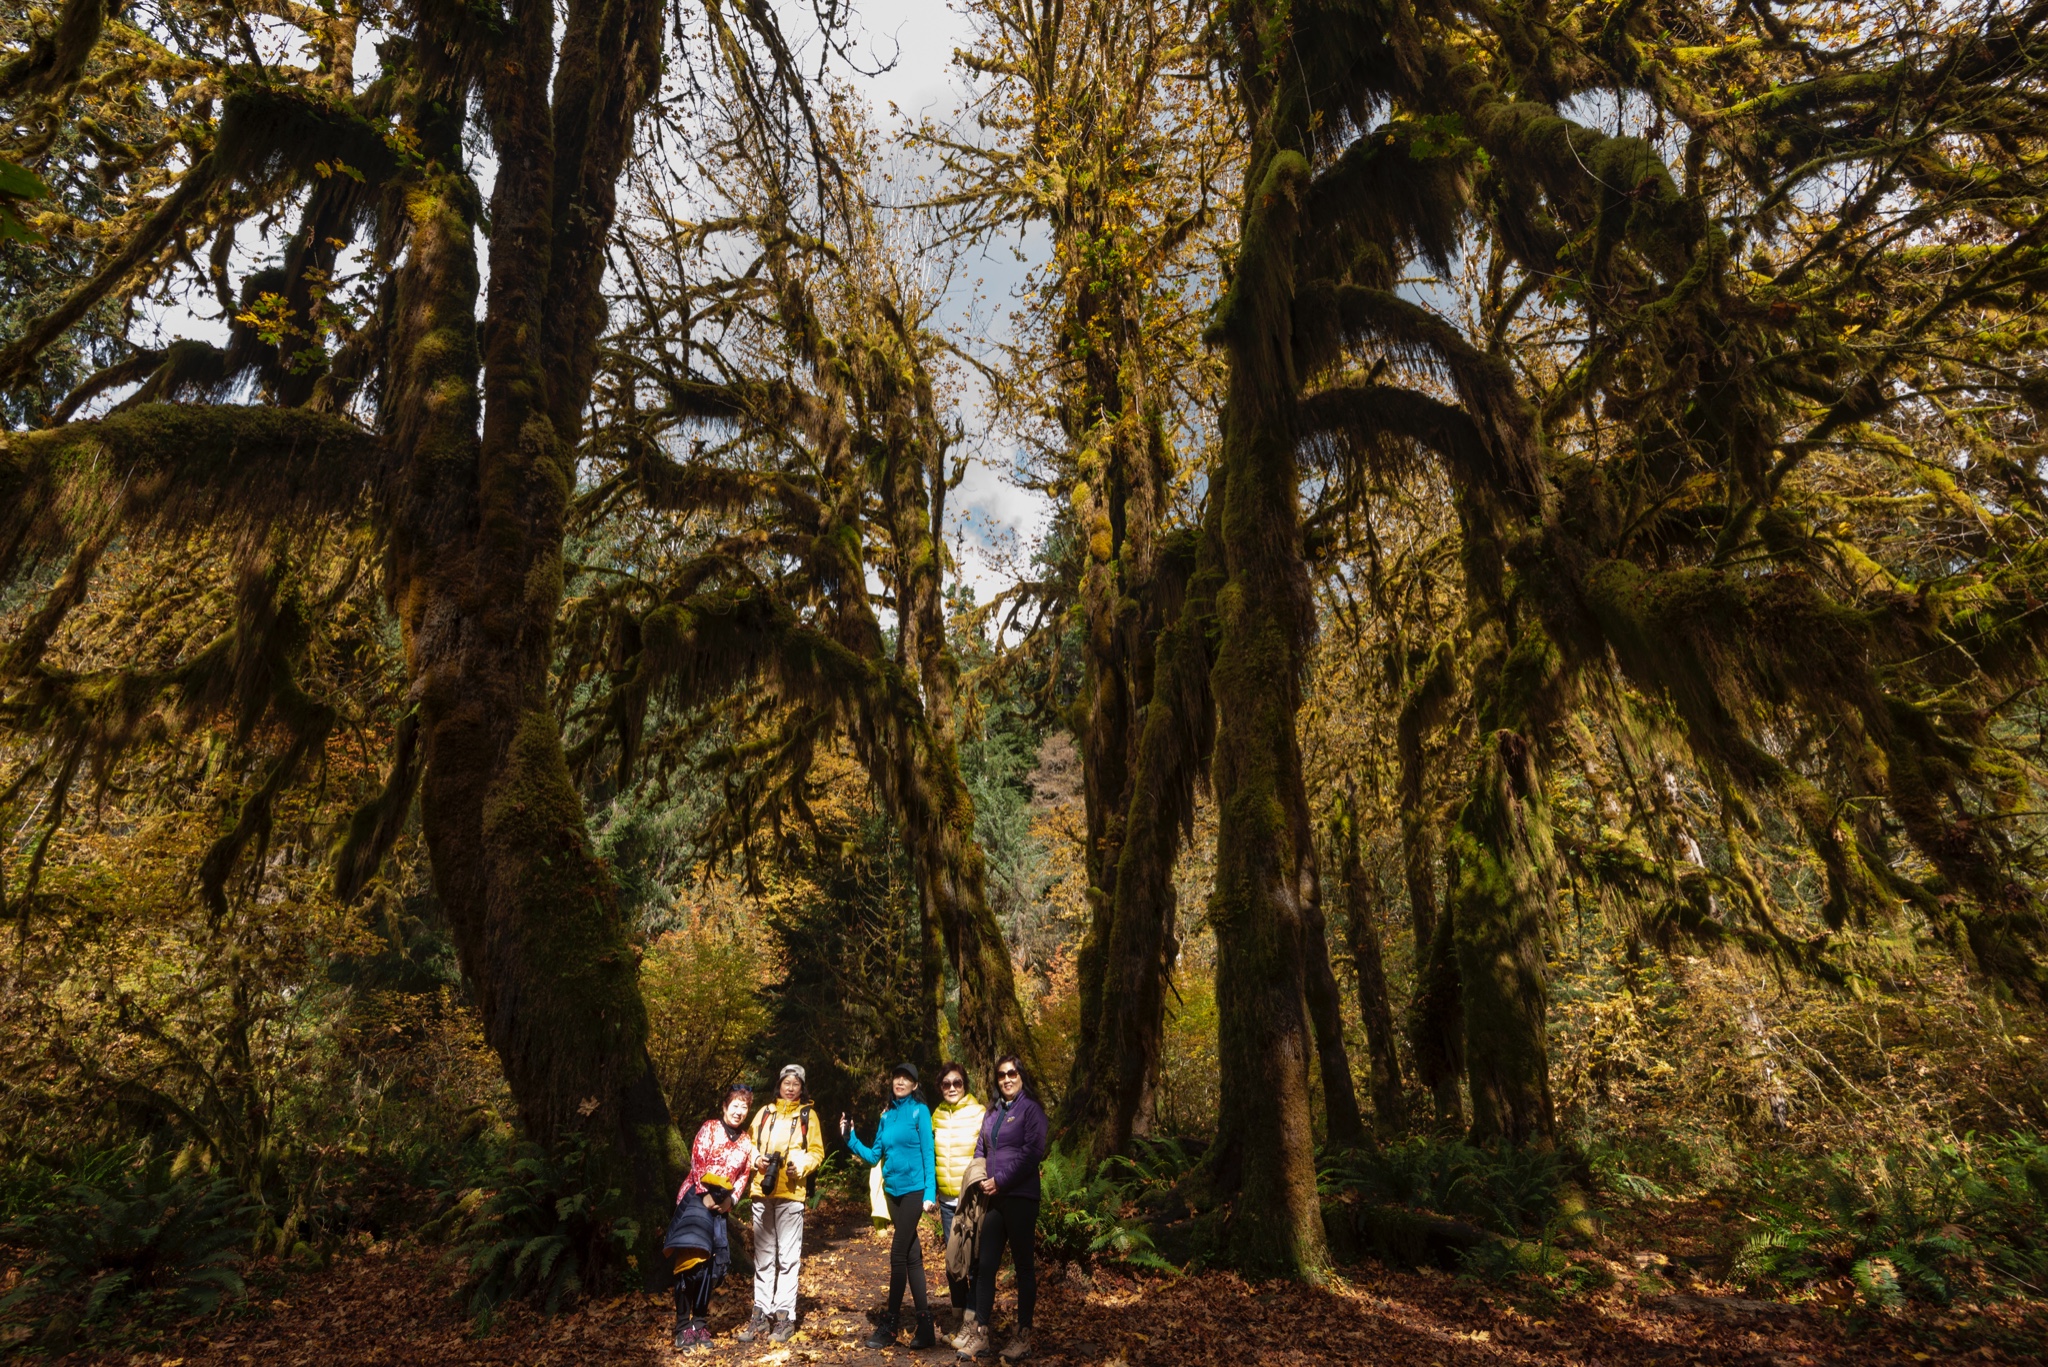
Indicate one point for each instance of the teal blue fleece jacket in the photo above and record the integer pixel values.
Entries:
(903, 1146)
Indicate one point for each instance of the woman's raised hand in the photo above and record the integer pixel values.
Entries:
(844, 1124)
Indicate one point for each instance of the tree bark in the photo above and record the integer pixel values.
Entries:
(1389, 1100)
(1502, 907)
(476, 576)
(1343, 1127)
(1264, 861)
(948, 848)
(1136, 955)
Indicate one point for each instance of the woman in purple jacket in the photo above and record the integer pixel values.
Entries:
(1012, 1143)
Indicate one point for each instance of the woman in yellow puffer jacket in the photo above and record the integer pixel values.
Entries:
(956, 1121)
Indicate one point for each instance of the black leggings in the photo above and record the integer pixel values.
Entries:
(693, 1292)
(906, 1253)
(1011, 1219)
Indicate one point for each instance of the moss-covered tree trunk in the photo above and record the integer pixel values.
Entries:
(1133, 957)
(1436, 1023)
(1375, 1011)
(1116, 499)
(1261, 908)
(1501, 904)
(1343, 1126)
(477, 574)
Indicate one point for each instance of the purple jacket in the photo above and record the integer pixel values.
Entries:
(1013, 1142)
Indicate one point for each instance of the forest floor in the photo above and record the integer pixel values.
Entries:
(392, 1306)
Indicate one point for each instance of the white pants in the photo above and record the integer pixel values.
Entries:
(778, 1254)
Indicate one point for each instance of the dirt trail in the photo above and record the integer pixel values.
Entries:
(392, 1307)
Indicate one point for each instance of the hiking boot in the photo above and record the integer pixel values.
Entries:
(924, 1338)
(1019, 1346)
(959, 1340)
(684, 1338)
(884, 1335)
(756, 1326)
(785, 1328)
(973, 1341)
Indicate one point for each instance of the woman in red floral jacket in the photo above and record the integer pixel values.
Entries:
(723, 1145)
(724, 1152)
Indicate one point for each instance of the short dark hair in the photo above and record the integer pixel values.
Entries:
(1022, 1072)
(949, 1068)
(737, 1089)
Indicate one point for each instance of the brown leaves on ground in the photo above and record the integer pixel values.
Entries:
(395, 1307)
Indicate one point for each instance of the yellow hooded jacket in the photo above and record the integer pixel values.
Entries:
(779, 1128)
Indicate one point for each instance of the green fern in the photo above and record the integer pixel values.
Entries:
(541, 1236)
(145, 1245)
(1081, 1215)
(1507, 1190)
(1911, 1225)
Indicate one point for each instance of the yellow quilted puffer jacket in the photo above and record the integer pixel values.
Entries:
(955, 1125)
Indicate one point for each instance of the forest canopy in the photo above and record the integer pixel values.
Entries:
(1534, 648)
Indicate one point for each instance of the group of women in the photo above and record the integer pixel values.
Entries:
(974, 1166)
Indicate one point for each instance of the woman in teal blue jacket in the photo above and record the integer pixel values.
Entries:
(910, 1181)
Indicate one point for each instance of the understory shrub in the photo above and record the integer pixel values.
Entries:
(1085, 1217)
(144, 1245)
(1506, 1190)
(544, 1234)
(1928, 1224)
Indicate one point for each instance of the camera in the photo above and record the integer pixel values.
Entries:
(770, 1173)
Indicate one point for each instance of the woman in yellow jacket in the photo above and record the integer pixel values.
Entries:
(956, 1121)
(789, 1144)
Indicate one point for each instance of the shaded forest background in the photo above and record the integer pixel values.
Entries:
(1526, 718)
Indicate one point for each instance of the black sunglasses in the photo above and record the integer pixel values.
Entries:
(1008, 1072)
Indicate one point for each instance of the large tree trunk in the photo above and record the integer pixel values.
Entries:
(477, 580)
(1501, 908)
(1264, 861)
(1135, 955)
(1115, 545)
(1436, 1014)
(1436, 1019)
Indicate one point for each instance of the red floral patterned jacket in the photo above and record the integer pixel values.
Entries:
(712, 1151)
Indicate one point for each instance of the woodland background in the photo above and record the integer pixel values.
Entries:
(1519, 748)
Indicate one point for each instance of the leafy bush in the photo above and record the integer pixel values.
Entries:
(1922, 1224)
(543, 1235)
(31, 1183)
(1526, 1260)
(1082, 1216)
(148, 1245)
(704, 1015)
